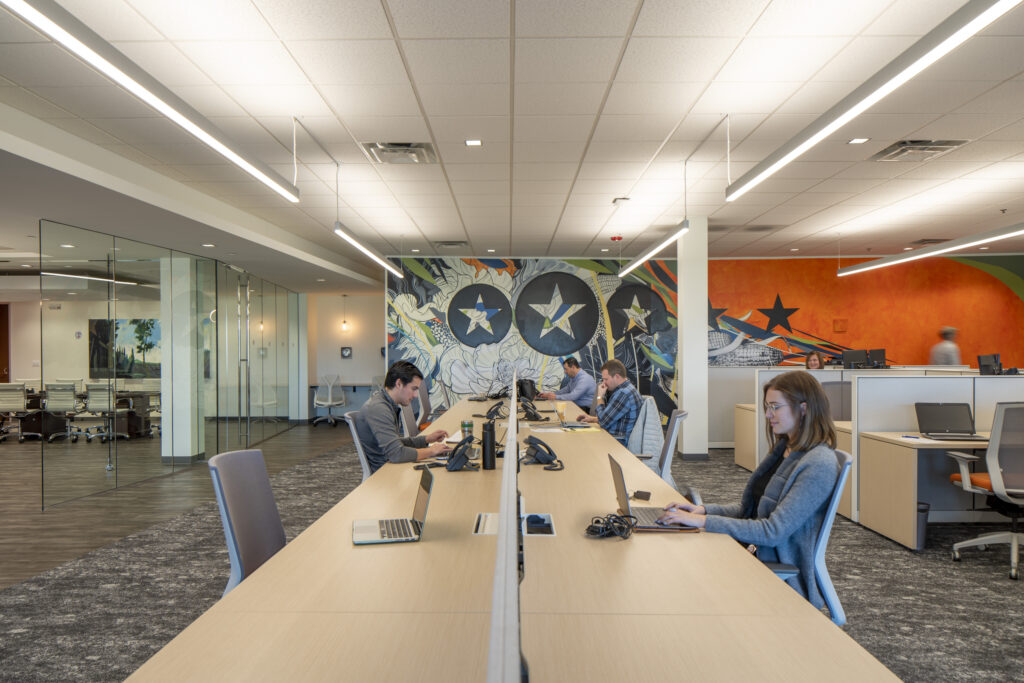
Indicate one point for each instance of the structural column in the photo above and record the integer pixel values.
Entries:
(692, 358)
(182, 437)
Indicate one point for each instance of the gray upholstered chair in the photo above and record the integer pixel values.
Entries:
(350, 418)
(1003, 483)
(62, 402)
(14, 405)
(252, 525)
(100, 401)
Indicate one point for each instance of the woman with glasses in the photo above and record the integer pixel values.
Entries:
(783, 504)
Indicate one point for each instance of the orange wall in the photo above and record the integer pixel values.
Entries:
(900, 308)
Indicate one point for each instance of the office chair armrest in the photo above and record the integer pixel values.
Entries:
(783, 571)
(692, 495)
(962, 461)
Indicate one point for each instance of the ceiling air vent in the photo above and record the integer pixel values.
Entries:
(452, 244)
(926, 241)
(401, 152)
(760, 228)
(917, 150)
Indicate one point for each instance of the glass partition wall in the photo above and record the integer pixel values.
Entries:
(150, 360)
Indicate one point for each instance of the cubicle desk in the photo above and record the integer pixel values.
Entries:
(745, 435)
(595, 610)
(897, 472)
(844, 442)
(614, 610)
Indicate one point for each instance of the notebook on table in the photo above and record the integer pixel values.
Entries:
(367, 531)
(946, 422)
(646, 517)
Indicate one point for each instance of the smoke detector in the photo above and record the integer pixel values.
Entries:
(401, 152)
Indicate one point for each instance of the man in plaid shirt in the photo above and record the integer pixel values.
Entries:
(617, 412)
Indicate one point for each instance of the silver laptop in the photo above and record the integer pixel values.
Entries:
(365, 531)
(646, 517)
(946, 422)
(566, 424)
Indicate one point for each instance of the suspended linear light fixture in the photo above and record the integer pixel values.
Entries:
(342, 232)
(684, 228)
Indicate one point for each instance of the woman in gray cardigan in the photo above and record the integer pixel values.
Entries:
(783, 504)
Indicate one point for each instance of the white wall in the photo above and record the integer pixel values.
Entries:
(25, 340)
(365, 334)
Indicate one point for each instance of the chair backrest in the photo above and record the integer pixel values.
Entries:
(77, 381)
(425, 411)
(828, 591)
(668, 451)
(252, 525)
(12, 398)
(350, 418)
(60, 398)
(409, 421)
(98, 397)
(1005, 456)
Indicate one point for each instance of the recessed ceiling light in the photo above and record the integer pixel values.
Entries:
(473, 143)
(25, 265)
(982, 248)
(907, 248)
(68, 246)
(858, 141)
(320, 279)
(604, 250)
(415, 251)
(209, 245)
(72, 293)
(795, 249)
(490, 251)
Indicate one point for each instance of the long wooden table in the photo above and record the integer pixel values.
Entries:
(666, 605)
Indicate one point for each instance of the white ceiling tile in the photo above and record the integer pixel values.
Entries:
(779, 59)
(819, 198)
(846, 185)
(558, 99)
(589, 214)
(95, 102)
(474, 215)
(777, 184)
(388, 128)
(641, 150)
(538, 199)
(279, 100)
(451, 18)
(165, 62)
(13, 30)
(616, 188)
(674, 60)
(480, 201)
(468, 187)
(525, 187)
(545, 171)
(785, 215)
(528, 152)
(989, 58)
(816, 97)
(205, 20)
(543, 18)
(652, 98)
(458, 152)
(743, 97)
(434, 199)
(815, 18)
(325, 20)
(939, 98)
(478, 99)
(940, 168)
(45, 64)
(371, 100)
(1005, 98)
(552, 128)
(209, 100)
(698, 17)
(649, 127)
(862, 57)
(112, 19)
(85, 130)
(696, 127)
(347, 62)
(261, 63)
(613, 171)
(409, 172)
(32, 104)
(216, 172)
(964, 126)
(143, 130)
(882, 127)
(477, 172)
(985, 150)
(591, 199)
(818, 170)
(566, 60)
(368, 201)
(461, 61)
(458, 129)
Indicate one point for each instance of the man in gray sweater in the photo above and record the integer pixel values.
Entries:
(379, 428)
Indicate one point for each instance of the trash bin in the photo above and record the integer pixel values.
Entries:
(922, 524)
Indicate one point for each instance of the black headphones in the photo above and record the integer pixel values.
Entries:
(458, 459)
(539, 452)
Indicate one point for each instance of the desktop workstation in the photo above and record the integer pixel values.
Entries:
(391, 612)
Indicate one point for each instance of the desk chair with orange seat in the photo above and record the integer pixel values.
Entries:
(1003, 483)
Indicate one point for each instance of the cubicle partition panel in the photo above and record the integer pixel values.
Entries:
(727, 386)
(990, 390)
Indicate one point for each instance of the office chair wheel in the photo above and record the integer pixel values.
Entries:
(982, 548)
(956, 555)
(1014, 574)
(21, 439)
(74, 439)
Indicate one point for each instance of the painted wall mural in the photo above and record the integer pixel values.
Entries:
(772, 312)
(468, 323)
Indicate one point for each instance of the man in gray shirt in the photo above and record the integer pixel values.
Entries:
(378, 425)
(946, 352)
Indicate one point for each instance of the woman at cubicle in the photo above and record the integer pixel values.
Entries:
(814, 361)
(783, 504)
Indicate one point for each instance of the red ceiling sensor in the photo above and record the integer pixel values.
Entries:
(617, 238)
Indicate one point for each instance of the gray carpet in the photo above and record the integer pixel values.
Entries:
(99, 617)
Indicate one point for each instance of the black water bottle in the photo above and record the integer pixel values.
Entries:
(487, 436)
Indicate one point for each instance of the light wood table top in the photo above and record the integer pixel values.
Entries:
(917, 441)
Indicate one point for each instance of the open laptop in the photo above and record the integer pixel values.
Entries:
(366, 531)
(946, 422)
(565, 424)
(646, 517)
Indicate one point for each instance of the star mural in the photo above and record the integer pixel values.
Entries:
(557, 314)
(636, 316)
(778, 315)
(479, 316)
(713, 314)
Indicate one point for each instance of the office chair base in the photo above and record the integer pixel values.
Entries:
(329, 419)
(981, 542)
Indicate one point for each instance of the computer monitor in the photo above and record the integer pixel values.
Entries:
(877, 358)
(990, 365)
(855, 359)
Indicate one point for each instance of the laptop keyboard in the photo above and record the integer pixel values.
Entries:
(647, 516)
(399, 528)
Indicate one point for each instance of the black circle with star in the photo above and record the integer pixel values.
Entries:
(541, 291)
(459, 323)
(655, 312)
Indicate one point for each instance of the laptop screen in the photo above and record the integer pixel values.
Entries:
(620, 485)
(419, 513)
(944, 418)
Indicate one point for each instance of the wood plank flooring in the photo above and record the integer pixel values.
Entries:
(32, 541)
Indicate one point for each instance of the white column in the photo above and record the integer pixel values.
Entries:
(298, 359)
(182, 437)
(692, 362)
